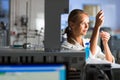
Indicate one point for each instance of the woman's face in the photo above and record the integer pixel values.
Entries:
(80, 27)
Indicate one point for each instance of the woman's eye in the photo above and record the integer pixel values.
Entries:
(83, 23)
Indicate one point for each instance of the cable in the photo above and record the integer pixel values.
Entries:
(103, 73)
(97, 73)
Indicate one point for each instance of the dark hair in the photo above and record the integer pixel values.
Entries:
(73, 17)
(74, 14)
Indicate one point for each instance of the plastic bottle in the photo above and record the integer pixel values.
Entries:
(87, 50)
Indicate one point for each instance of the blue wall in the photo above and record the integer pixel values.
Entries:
(117, 2)
(110, 8)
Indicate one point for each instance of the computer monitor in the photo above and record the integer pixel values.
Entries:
(64, 19)
(46, 71)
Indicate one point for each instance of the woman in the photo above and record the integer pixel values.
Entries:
(78, 24)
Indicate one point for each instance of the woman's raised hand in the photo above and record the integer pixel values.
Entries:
(99, 19)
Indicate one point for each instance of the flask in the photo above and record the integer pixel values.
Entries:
(87, 50)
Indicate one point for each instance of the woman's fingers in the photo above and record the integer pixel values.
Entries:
(99, 18)
(105, 36)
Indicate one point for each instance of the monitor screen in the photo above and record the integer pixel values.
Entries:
(64, 19)
(33, 72)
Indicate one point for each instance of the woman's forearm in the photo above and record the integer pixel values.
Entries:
(94, 40)
(95, 35)
(107, 52)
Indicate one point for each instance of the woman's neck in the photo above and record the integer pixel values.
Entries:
(79, 40)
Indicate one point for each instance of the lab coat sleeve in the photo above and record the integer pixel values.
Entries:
(99, 55)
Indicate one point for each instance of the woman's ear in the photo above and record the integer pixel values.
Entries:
(71, 24)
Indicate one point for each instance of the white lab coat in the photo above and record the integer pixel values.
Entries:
(99, 55)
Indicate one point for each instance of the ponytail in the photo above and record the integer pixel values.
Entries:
(68, 32)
